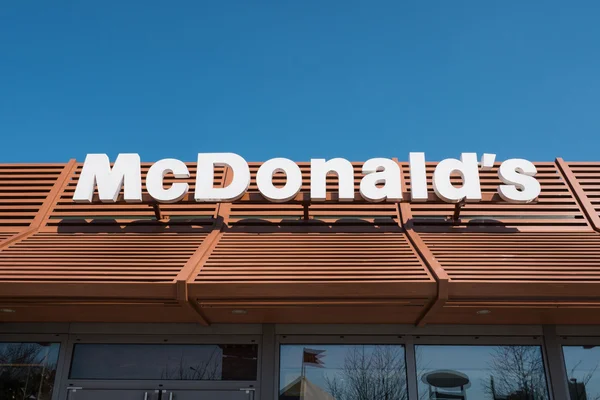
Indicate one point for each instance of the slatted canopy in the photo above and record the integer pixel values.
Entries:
(277, 269)
(23, 190)
(519, 270)
(301, 261)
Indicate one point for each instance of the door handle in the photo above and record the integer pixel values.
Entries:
(145, 395)
(72, 389)
(250, 391)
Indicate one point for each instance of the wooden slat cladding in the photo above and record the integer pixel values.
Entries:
(246, 212)
(313, 265)
(23, 189)
(588, 177)
(555, 206)
(518, 265)
(6, 235)
(184, 212)
(98, 258)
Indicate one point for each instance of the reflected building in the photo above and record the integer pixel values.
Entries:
(303, 389)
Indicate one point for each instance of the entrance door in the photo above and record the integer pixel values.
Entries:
(112, 394)
(116, 394)
(208, 395)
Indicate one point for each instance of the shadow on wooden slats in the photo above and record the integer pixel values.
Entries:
(250, 211)
(185, 212)
(555, 209)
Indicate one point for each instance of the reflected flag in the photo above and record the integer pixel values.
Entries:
(314, 358)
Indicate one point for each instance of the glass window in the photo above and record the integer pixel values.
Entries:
(342, 372)
(27, 370)
(221, 362)
(581, 363)
(481, 372)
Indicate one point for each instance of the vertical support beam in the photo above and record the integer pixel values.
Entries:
(411, 368)
(557, 373)
(584, 202)
(62, 367)
(268, 374)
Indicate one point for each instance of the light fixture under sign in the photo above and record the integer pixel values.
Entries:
(239, 312)
(484, 312)
(7, 310)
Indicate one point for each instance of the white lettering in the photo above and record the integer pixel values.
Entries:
(418, 177)
(520, 186)
(155, 180)
(205, 190)
(467, 167)
(96, 171)
(293, 184)
(319, 169)
(381, 171)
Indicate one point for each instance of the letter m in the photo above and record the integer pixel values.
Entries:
(96, 171)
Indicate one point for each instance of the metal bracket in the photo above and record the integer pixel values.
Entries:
(158, 213)
(456, 216)
(306, 215)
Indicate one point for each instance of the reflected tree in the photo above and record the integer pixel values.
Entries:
(578, 387)
(210, 369)
(517, 374)
(377, 373)
(26, 371)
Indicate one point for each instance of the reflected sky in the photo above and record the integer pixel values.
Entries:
(583, 364)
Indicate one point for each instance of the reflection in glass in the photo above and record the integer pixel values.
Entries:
(226, 362)
(481, 372)
(581, 363)
(342, 372)
(27, 370)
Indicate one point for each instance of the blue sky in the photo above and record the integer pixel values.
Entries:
(299, 79)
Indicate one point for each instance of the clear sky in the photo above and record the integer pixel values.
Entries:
(299, 79)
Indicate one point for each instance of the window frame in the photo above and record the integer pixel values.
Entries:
(476, 340)
(578, 341)
(157, 384)
(409, 342)
(339, 340)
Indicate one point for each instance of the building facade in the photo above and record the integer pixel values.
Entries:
(302, 299)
